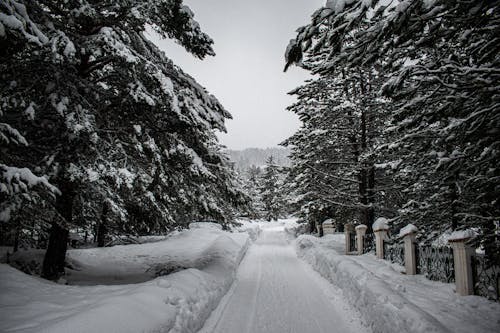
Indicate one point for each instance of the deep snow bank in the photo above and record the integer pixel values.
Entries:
(179, 302)
(392, 302)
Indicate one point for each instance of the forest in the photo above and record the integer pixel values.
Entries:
(103, 137)
(100, 132)
(124, 209)
(403, 118)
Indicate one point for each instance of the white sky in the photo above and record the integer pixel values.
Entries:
(247, 75)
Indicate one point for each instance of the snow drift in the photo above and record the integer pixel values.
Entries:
(393, 302)
(178, 302)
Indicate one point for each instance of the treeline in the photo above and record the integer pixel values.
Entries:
(99, 130)
(267, 189)
(249, 157)
(402, 119)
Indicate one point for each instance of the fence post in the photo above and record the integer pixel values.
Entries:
(409, 232)
(380, 228)
(462, 258)
(360, 234)
(348, 228)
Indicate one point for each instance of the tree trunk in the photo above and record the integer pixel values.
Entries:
(371, 198)
(55, 256)
(101, 234)
(17, 232)
(53, 262)
(101, 229)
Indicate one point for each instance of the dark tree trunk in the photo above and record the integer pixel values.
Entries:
(312, 226)
(17, 232)
(371, 198)
(55, 256)
(101, 228)
(53, 262)
(101, 234)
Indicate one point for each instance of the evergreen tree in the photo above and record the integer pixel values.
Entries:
(438, 62)
(251, 188)
(271, 191)
(98, 125)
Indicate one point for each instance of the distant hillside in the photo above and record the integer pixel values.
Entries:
(243, 159)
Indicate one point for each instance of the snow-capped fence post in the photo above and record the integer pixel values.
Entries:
(409, 232)
(380, 228)
(348, 229)
(462, 259)
(328, 227)
(360, 234)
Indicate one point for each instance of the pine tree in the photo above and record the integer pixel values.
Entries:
(251, 188)
(439, 63)
(271, 191)
(108, 126)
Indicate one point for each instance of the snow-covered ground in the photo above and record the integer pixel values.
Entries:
(275, 292)
(393, 302)
(191, 281)
(206, 259)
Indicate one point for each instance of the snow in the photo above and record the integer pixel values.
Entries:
(393, 302)
(461, 235)
(69, 49)
(30, 111)
(361, 226)
(327, 221)
(338, 5)
(11, 22)
(190, 280)
(380, 224)
(166, 83)
(251, 228)
(392, 165)
(205, 225)
(410, 228)
(204, 262)
(15, 180)
(276, 292)
(125, 177)
(8, 134)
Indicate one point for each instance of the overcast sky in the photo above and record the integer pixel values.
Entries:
(247, 75)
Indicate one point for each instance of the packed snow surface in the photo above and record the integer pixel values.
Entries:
(203, 262)
(275, 292)
(393, 302)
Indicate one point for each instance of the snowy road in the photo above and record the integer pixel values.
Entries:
(276, 292)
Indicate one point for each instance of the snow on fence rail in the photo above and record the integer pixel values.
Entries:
(477, 275)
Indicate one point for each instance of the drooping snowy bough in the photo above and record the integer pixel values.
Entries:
(434, 143)
(125, 139)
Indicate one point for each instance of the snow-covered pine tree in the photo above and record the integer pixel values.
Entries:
(251, 186)
(441, 61)
(271, 191)
(125, 135)
(334, 149)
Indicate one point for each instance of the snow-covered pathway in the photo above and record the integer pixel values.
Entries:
(276, 292)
